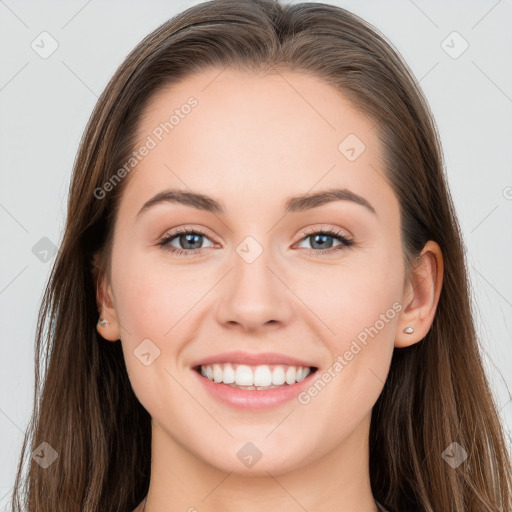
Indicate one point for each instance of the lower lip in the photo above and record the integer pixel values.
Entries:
(251, 399)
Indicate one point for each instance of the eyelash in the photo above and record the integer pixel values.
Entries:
(345, 242)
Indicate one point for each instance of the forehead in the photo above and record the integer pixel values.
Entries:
(247, 137)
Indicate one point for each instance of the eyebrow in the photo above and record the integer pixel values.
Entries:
(293, 204)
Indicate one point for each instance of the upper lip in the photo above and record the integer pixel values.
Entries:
(252, 359)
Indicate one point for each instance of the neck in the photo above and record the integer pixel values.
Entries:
(337, 481)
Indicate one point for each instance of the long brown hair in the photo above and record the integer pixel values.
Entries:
(436, 393)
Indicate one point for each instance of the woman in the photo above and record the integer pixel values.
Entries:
(261, 297)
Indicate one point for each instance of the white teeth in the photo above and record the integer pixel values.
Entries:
(244, 376)
(262, 376)
(228, 374)
(255, 377)
(217, 373)
(291, 372)
(278, 376)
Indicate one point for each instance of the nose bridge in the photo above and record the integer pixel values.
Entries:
(254, 295)
(251, 267)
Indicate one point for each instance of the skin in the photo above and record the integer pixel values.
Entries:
(253, 141)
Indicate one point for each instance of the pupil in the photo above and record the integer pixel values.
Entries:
(187, 241)
(323, 237)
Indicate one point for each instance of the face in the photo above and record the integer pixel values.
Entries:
(315, 282)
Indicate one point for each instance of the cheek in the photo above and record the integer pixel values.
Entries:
(159, 302)
(152, 303)
(152, 297)
(348, 299)
(361, 308)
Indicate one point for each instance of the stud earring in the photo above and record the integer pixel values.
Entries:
(409, 330)
(102, 323)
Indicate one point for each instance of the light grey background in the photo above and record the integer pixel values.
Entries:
(45, 104)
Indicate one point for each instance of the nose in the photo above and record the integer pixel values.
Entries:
(254, 296)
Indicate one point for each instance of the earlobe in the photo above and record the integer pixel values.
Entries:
(421, 296)
(107, 324)
(107, 330)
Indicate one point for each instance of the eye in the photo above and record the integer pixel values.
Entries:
(321, 241)
(190, 241)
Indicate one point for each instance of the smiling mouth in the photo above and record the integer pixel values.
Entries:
(257, 378)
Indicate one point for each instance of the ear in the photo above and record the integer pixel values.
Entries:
(421, 295)
(104, 302)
